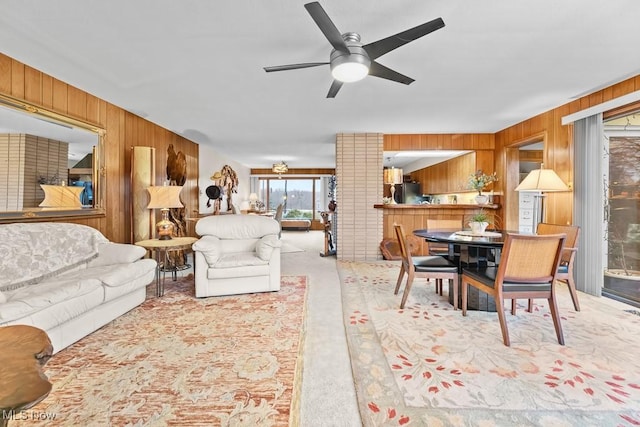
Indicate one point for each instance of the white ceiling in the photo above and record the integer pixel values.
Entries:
(195, 66)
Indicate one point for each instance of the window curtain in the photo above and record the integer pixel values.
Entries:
(254, 184)
(588, 193)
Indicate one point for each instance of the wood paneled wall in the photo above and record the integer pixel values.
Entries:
(456, 141)
(558, 150)
(123, 130)
(557, 154)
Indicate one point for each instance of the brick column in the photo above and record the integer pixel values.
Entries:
(359, 179)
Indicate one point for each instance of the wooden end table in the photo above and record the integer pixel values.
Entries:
(25, 350)
(161, 249)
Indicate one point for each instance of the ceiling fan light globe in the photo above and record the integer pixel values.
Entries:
(350, 67)
(349, 72)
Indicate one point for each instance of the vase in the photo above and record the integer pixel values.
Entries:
(478, 227)
(481, 199)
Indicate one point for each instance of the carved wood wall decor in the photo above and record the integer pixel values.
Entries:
(230, 183)
(176, 166)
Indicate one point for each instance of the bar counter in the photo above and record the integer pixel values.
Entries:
(472, 207)
(414, 217)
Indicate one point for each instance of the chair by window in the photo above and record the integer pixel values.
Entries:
(430, 267)
(528, 268)
(565, 270)
(278, 217)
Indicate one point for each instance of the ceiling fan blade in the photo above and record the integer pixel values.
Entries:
(380, 47)
(335, 87)
(294, 66)
(378, 70)
(327, 26)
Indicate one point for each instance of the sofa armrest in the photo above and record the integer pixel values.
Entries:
(266, 245)
(110, 253)
(210, 248)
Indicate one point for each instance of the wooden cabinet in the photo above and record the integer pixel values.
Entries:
(451, 176)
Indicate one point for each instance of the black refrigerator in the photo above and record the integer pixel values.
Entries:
(408, 193)
(411, 193)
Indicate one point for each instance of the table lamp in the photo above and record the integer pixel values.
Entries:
(253, 198)
(392, 177)
(164, 198)
(541, 181)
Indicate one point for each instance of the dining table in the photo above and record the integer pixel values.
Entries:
(470, 250)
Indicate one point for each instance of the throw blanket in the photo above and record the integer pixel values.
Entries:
(30, 252)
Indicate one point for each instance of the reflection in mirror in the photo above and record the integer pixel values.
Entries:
(47, 161)
(410, 161)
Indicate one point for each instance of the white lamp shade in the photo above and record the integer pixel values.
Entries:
(253, 197)
(167, 196)
(545, 180)
(393, 176)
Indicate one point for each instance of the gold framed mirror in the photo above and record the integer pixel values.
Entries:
(51, 165)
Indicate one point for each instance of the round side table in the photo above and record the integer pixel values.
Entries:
(161, 249)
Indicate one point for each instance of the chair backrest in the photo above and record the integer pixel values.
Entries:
(570, 244)
(405, 253)
(278, 215)
(530, 258)
(434, 224)
(237, 227)
(444, 224)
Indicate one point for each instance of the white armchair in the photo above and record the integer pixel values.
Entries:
(236, 254)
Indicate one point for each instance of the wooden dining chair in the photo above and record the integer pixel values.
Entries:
(442, 249)
(528, 269)
(565, 269)
(435, 225)
(430, 267)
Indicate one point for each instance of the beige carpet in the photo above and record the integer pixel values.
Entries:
(288, 248)
(429, 365)
(178, 360)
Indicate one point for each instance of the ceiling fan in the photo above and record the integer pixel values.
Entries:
(350, 60)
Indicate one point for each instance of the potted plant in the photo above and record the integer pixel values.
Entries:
(478, 181)
(479, 222)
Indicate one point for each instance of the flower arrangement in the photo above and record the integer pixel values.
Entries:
(479, 180)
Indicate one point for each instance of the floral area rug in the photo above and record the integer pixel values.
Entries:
(178, 360)
(429, 365)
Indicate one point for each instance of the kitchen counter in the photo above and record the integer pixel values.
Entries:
(413, 217)
(436, 206)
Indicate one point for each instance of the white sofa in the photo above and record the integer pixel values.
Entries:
(68, 279)
(236, 254)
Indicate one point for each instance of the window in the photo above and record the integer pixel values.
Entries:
(299, 196)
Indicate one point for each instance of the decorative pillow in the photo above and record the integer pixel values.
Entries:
(210, 248)
(3, 298)
(117, 253)
(265, 246)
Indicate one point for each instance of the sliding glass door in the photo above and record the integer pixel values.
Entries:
(622, 209)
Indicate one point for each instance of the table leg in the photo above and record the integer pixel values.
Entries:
(158, 268)
(160, 287)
